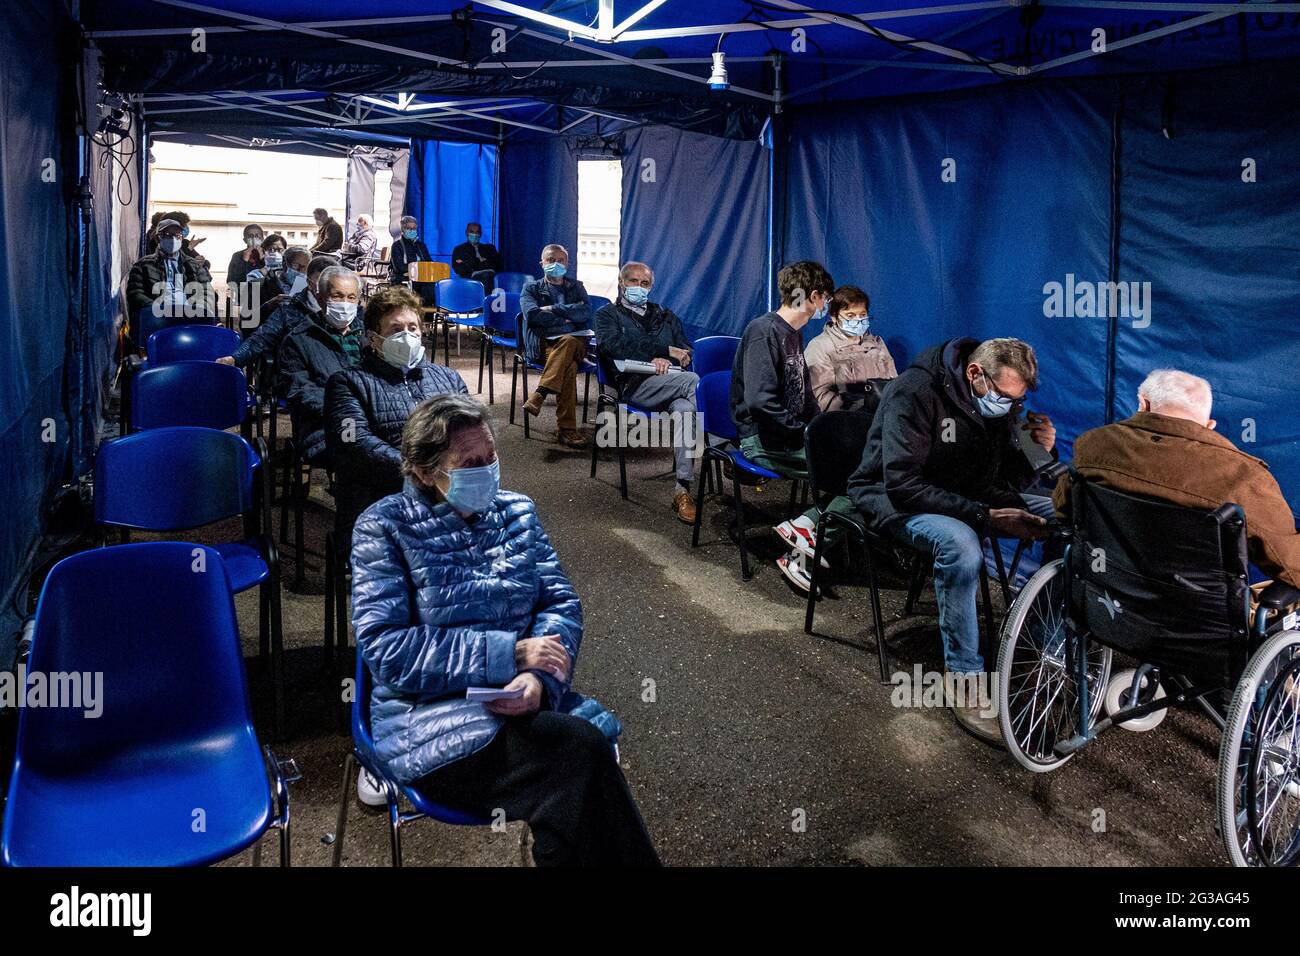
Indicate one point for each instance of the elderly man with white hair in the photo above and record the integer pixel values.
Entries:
(1169, 450)
(328, 340)
(363, 243)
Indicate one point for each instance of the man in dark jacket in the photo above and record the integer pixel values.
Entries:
(408, 248)
(169, 283)
(366, 406)
(554, 308)
(317, 348)
(632, 328)
(475, 259)
(329, 234)
(942, 469)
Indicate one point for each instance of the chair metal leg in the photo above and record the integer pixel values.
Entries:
(446, 342)
(877, 619)
(482, 355)
(514, 381)
(814, 575)
(586, 399)
(919, 571)
(394, 825)
(794, 497)
(699, 508)
(987, 647)
(740, 529)
(619, 412)
(1021, 546)
(1002, 571)
(329, 600)
(277, 653)
(527, 433)
(600, 405)
(341, 824)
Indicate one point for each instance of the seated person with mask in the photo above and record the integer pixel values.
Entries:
(367, 405)
(455, 585)
(553, 307)
(170, 284)
(247, 259)
(476, 259)
(329, 234)
(315, 349)
(1170, 450)
(771, 394)
(941, 469)
(363, 244)
(277, 320)
(634, 328)
(846, 368)
(409, 248)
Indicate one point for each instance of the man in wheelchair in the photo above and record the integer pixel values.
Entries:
(1170, 450)
(1163, 517)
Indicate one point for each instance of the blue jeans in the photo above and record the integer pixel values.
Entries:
(958, 556)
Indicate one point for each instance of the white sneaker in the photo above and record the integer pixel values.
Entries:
(369, 791)
(800, 535)
(795, 568)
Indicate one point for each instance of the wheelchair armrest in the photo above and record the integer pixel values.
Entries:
(1053, 470)
(1278, 595)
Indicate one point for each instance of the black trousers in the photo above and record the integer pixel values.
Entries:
(558, 773)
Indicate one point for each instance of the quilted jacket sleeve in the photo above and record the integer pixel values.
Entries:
(416, 659)
(558, 611)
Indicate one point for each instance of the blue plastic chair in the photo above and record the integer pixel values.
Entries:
(596, 303)
(363, 754)
(182, 343)
(202, 394)
(460, 302)
(179, 478)
(175, 734)
(713, 400)
(512, 281)
(144, 324)
(610, 395)
(499, 312)
(714, 353)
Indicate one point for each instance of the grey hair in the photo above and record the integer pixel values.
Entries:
(553, 245)
(622, 273)
(428, 432)
(297, 251)
(335, 272)
(1168, 387)
(406, 219)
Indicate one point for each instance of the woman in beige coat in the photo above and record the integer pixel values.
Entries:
(845, 359)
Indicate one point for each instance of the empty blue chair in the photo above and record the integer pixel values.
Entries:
(182, 343)
(611, 396)
(714, 353)
(363, 754)
(174, 738)
(180, 478)
(596, 303)
(713, 400)
(145, 323)
(499, 312)
(203, 394)
(460, 302)
(512, 281)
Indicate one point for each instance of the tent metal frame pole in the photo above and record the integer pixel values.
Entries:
(811, 21)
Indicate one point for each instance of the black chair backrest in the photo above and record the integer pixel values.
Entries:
(1161, 582)
(833, 443)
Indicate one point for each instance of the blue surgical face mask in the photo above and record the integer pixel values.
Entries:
(820, 314)
(636, 295)
(274, 260)
(554, 270)
(185, 232)
(411, 234)
(991, 404)
(472, 490)
(473, 238)
(291, 276)
(855, 326)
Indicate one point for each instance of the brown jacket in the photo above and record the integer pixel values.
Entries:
(836, 360)
(1180, 461)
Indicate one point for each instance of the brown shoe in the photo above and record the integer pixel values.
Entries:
(534, 404)
(573, 439)
(684, 505)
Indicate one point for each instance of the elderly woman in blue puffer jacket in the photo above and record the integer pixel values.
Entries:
(455, 585)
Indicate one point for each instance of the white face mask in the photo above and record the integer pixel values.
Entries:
(340, 314)
(403, 349)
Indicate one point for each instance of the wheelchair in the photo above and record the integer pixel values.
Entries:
(1166, 586)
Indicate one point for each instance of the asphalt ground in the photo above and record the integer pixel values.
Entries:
(747, 742)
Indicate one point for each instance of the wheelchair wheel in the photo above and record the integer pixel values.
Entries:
(1038, 699)
(1257, 715)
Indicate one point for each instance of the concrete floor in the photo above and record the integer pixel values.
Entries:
(754, 726)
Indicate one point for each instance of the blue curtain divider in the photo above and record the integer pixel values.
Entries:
(449, 185)
(539, 201)
(695, 209)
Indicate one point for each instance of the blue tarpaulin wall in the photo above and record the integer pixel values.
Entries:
(695, 208)
(539, 201)
(449, 185)
(1057, 181)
